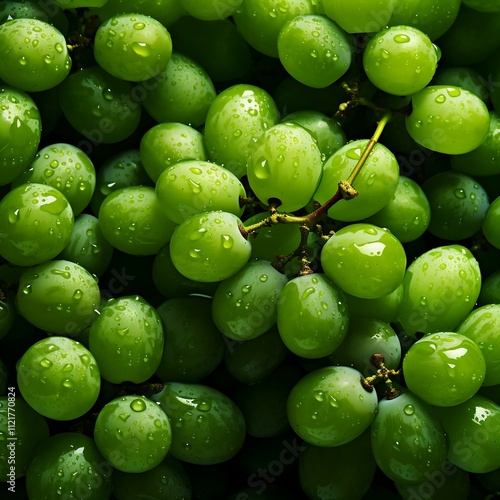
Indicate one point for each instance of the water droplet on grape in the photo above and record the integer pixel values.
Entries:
(67, 383)
(319, 396)
(440, 98)
(141, 49)
(46, 363)
(138, 405)
(227, 241)
(204, 406)
(401, 38)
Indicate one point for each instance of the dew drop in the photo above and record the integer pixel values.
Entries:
(46, 363)
(67, 383)
(227, 241)
(401, 38)
(204, 406)
(138, 405)
(409, 409)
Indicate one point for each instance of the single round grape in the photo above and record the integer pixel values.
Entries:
(101, 107)
(183, 92)
(458, 205)
(285, 164)
(441, 287)
(209, 247)
(58, 296)
(59, 378)
(193, 346)
(481, 326)
(244, 305)
(133, 433)
(464, 77)
(408, 441)
(391, 63)
(65, 167)
(36, 223)
(127, 340)
(208, 10)
(365, 16)
(472, 430)
(364, 260)
(132, 221)
(312, 316)
(69, 466)
(490, 223)
(132, 47)
(35, 57)
(20, 132)
(330, 407)
(207, 427)
(453, 359)
(448, 119)
(191, 187)
(260, 21)
(166, 144)
(314, 50)
(237, 117)
(376, 183)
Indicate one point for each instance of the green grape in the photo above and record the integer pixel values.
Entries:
(485, 159)
(209, 247)
(87, 245)
(207, 427)
(165, 144)
(408, 441)
(285, 164)
(244, 305)
(127, 340)
(167, 480)
(385, 308)
(458, 205)
(448, 119)
(70, 467)
(363, 16)
(481, 326)
(8, 312)
(36, 222)
(253, 360)
(133, 434)
(59, 378)
(463, 77)
(312, 316)
(66, 168)
(217, 46)
(260, 21)
(441, 287)
(366, 337)
(330, 407)
(430, 16)
(490, 290)
(132, 221)
(171, 283)
(35, 57)
(314, 50)
(376, 183)
(132, 47)
(29, 433)
(123, 169)
(20, 132)
(238, 116)
(472, 432)
(165, 11)
(58, 296)
(210, 10)
(490, 223)
(482, 5)
(264, 403)
(327, 131)
(395, 48)
(364, 260)
(182, 93)
(335, 472)
(444, 369)
(192, 186)
(102, 108)
(408, 214)
(194, 347)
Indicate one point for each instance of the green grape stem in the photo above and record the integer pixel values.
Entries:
(383, 374)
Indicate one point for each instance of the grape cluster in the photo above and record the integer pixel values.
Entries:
(249, 249)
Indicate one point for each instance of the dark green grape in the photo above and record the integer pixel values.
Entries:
(312, 316)
(490, 290)
(464, 77)
(244, 305)
(330, 407)
(408, 441)
(69, 466)
(207, 427)
(133, 433)
(127, 340)
(194, 346)
(59, 378)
